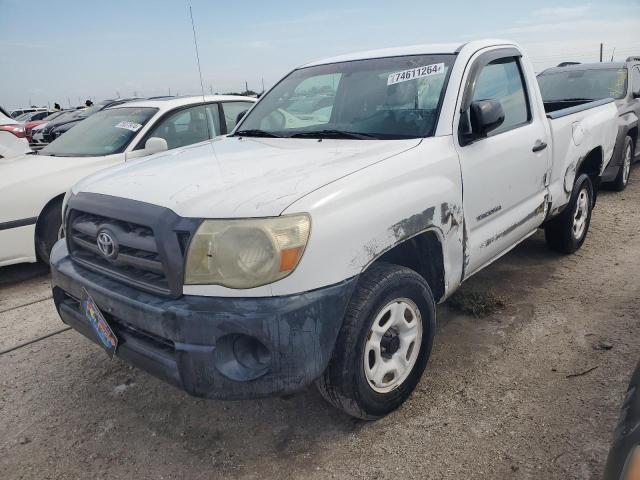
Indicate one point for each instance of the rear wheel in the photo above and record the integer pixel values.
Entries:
(622, 179)
(566, 232)
(384, 343)
(48, 230)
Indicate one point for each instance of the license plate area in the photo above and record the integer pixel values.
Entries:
(103, 331)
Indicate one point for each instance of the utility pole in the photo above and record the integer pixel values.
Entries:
(601, 46)
(246, 86)
(211, 88)
(262, 84)
(169, 91)
(613, 53)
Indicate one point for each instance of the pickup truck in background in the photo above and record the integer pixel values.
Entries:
(314, 242)
(581, 83)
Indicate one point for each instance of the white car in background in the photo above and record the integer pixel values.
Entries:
(32, 186)
(12, 138)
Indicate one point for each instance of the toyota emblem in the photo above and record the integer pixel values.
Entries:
(107, 245)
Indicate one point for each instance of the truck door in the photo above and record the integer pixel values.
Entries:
(504, 174)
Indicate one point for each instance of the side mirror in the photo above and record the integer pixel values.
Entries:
(241, 116)
(485, 116)
(155, 145)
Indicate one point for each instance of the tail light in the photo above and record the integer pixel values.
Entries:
(17, 130)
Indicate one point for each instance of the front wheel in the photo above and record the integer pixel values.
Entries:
(384, 343)
(622, 179)
(566, 232)
(48, 231)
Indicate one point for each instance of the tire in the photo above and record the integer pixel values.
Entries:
(48, 230)
(562, 233)
(622, 179)
(382, 289)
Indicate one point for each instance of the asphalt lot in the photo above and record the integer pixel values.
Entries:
(531, 391)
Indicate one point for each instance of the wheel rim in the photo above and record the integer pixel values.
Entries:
(393, 345)
(626, 166)
(581, 214)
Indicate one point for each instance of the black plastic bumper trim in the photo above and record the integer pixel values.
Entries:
(18, 223)
(182, 340)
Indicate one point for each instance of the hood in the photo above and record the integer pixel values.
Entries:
(234, 177)
(21, 171)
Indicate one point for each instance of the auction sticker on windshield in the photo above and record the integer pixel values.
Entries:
(413, 73)
(134, 127)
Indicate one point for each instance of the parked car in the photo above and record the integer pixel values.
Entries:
(29, 116)
(29, 126)
(575, 84)
(313, 243)
(63, 123)
(20, 111)
(12, 137)
(32, 186)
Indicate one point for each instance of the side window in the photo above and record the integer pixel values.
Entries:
(231, 111)
(635, 79)
(187, 126)
(502, 80)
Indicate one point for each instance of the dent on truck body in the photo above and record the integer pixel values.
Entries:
(424, 234)
(540, 209)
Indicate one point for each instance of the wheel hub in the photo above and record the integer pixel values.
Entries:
(393, 345)
(626, 168)
(581, 214)
(390, 344)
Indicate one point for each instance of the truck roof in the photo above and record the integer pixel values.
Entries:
(587, 66)
(434, 48)
(172, 102)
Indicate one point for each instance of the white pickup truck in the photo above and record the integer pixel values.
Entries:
(314, 242)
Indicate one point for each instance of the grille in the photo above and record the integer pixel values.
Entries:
(137, 261)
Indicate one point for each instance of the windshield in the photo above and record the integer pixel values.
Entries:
(593, 84)
(103, 133)
(54, 115)
(383, 98)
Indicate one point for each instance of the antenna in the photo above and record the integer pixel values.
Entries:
(195, 42)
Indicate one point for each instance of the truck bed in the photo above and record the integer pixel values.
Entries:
(563, 108)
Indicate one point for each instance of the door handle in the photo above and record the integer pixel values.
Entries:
(539, 145)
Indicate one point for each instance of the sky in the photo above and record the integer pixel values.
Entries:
(67, 51)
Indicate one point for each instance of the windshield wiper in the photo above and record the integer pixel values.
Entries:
(334, 134)
(254, 132)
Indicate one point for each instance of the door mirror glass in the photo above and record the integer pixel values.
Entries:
(485, 116)
(155, 145)
(635, 82)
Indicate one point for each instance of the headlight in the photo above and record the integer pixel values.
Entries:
(246, 253)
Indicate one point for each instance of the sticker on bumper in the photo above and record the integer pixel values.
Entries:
(92, 313)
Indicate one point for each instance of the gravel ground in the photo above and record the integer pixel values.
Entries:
(498, 400)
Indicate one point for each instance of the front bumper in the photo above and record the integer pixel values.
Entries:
(224, 348)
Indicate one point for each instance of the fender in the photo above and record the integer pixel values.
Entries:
(358, 218)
